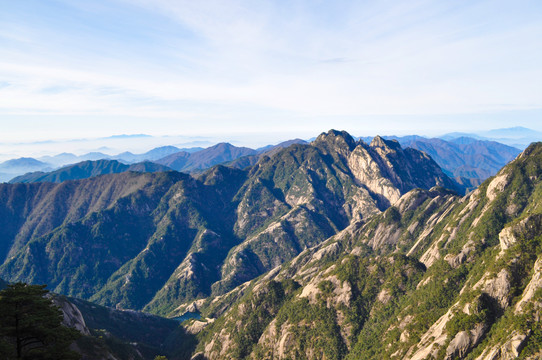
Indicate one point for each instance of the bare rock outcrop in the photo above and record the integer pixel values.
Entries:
(197, 326)
(496, 186)
(499, 288)
(341, 291)
(432, 339)
(369, 172)
(496, 286)
(72, 316)
(456, 260)
(506, 239)
(277, 340)
(508, 351)
(464, 341)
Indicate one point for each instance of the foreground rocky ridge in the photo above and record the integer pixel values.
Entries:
(434, 276)
(156, 241)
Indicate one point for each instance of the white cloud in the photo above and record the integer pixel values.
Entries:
(238, 60)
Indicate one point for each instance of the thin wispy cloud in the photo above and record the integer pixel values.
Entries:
(227, 65)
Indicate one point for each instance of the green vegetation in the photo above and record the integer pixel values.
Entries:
(253, 313)
(393, 300)
(314, 329)
(483, 311)
(258, 248)
(31, 326)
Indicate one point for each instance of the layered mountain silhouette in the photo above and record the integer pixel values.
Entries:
(467, 160)
(88, 169)
(204, 159)
(159, 159)
(14, 167)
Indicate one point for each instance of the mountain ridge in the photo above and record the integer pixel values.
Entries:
(87, 169)
(434, 276)
(203, 235)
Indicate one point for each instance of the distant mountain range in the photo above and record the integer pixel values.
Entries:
(126, 157)
(88, 169)
(165, 158)
(518, 137)
(467, 159)
(15, 167)
(204, 159)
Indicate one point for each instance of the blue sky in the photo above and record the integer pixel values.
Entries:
(267, 70)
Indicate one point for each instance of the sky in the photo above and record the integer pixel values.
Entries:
(263, 71)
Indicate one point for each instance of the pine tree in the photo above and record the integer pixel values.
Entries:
(31, 326)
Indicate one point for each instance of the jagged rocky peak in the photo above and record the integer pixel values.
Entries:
(336, 140)
(386, 145)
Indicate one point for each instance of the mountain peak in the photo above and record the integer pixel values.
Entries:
(336, 138)
(222, 145)
(24, 161)
(380, 142)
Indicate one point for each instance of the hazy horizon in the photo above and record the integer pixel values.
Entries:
(140, 143)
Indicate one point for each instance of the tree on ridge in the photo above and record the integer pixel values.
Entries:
(31, 325)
